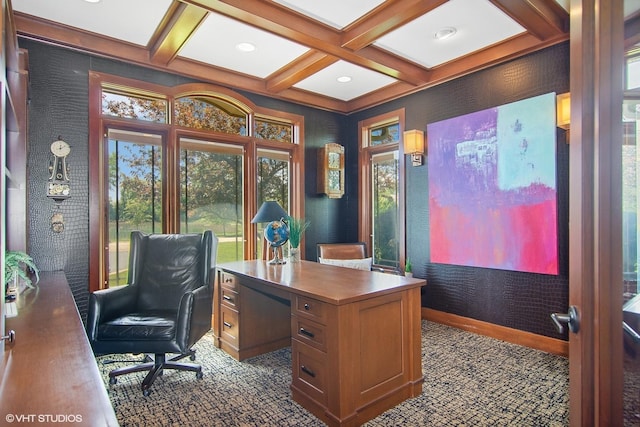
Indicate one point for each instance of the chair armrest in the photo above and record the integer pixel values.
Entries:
(107, 304)
(194, 316)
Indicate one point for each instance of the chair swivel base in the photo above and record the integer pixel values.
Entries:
(156, 368)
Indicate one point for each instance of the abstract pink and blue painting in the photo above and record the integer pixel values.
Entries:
(492, 188)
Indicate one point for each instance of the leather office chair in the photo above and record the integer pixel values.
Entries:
(165, 308)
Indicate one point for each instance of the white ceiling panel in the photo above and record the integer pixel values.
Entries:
(362, 81)
(132, 21)
(337, 13)
(481, 25)
(216, 42)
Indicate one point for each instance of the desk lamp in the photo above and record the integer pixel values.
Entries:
(271, 212)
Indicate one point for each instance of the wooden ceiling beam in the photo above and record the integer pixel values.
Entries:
(302, 67)
(387, 17)
(60, 35)
(510, 49)
(544, 19)
(270, 16)
(280, 84)
(231, 79)
(176, 27)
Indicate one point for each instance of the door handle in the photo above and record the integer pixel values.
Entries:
(10, 337)
(632, 332)
(571, 319)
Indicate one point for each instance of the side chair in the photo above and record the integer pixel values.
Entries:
(351, 255)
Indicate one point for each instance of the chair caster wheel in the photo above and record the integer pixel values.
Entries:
(199, 375)
(146, 392)
(192, 357)
(113, 380)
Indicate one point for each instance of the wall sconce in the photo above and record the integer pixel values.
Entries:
(414, 145)
(563, 112)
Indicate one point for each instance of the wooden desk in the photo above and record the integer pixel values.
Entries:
(354, 335)
(49, 375)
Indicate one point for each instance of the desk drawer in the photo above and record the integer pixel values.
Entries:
(229, 298)
(309, 332)
(229, 281)
(309, 371)
(230, 326)
(310, 308)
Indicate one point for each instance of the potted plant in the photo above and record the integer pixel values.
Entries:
(17, 265)
(297, 227)
(408, 272)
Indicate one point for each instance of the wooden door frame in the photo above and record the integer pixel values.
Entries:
(595, 266)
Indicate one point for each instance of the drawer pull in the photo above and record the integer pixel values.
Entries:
(310, 334)
(307, 306)
(227, 324)
(227, 298)
(308, 371)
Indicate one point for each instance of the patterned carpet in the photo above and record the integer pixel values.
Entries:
(470, 380)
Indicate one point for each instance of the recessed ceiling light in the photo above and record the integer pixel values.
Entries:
(444, 33)
(246, 47)
(92, 1)
(344, 79)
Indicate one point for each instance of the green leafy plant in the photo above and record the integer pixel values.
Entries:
(297, 227)
(16, 264)
(407, 266)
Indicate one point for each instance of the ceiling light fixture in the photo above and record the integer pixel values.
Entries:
(92, 1)
(445, 33)
(344, 79)
(246, 47)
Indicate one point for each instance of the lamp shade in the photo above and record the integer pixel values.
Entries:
(563, 106)
(413, 141)
(269, 211)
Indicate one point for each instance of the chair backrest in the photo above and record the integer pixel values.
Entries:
(342, 250)
(166, 266)
(350, 255)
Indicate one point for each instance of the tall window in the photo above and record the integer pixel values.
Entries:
(631, 175)
(273, 183)
(184, 159)
(381, 204)
(630, 217)
(211, 196)
(135, 194)
(385, 209)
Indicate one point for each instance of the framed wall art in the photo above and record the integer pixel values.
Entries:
(492, 187)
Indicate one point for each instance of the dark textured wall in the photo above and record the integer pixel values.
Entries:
(58, 107)
(517, 300)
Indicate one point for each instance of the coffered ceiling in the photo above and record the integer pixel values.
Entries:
(302, 49)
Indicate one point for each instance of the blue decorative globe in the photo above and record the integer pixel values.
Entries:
(276, 233)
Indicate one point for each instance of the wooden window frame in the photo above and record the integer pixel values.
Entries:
(365, 153)
(171, 133)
